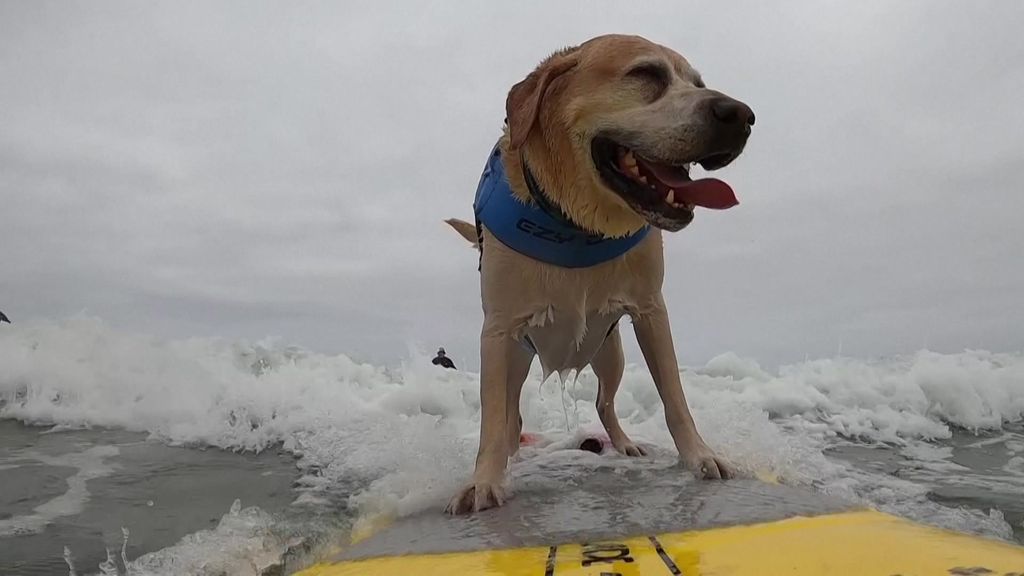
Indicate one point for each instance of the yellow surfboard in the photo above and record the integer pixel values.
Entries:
(861, 543)
(790, 532)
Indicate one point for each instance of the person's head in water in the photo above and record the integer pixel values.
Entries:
(442, 360)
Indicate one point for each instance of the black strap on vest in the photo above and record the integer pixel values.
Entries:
(541, 198)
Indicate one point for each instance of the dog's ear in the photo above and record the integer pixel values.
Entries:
(523, 103)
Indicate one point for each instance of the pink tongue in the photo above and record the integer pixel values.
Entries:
(706, 192)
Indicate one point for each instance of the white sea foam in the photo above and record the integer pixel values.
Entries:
(243, 542)
(403, 439)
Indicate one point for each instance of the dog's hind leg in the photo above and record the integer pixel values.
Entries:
(608, 365)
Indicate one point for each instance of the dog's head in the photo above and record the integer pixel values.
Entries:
(612, 127)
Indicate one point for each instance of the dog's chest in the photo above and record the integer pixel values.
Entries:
(566, 334)
(566, 315)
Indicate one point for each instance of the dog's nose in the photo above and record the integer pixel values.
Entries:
(729, 111)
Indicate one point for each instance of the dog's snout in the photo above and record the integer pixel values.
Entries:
(733, 112)
(727, 128)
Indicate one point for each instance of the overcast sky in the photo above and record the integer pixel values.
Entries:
(251, 169)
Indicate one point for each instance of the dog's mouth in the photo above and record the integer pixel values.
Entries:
(664, 194)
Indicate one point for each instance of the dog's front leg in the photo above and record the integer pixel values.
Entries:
(485, 491)
(654, 335)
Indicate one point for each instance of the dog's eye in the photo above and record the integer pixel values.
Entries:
(649, 72)
(699, 83)
(654, 77)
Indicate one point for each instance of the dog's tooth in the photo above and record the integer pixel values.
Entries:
(634, 170)
(630, 159)
(671, 196)
(643, 179)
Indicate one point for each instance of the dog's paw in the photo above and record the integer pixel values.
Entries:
(623, 445)
(628, 448)
(476, 497)
(707, 465)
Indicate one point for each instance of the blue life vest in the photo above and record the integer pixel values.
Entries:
(544, 235)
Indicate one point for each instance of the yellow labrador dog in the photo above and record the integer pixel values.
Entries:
(592, 166)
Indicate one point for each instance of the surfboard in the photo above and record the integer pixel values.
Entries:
(612, 524)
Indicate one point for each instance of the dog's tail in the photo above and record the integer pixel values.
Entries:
(466, 230)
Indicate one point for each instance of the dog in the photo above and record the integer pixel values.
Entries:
(591, 167)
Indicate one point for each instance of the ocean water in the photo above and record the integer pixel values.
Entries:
(130, 454)
(79, 488)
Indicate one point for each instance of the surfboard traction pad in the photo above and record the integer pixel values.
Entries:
(608, 524)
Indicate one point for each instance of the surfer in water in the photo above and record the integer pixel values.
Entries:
(443, 360)
(4, 318)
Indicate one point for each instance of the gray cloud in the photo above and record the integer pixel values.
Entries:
(248, 169)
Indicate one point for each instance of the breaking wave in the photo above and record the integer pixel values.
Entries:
(387, 440)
